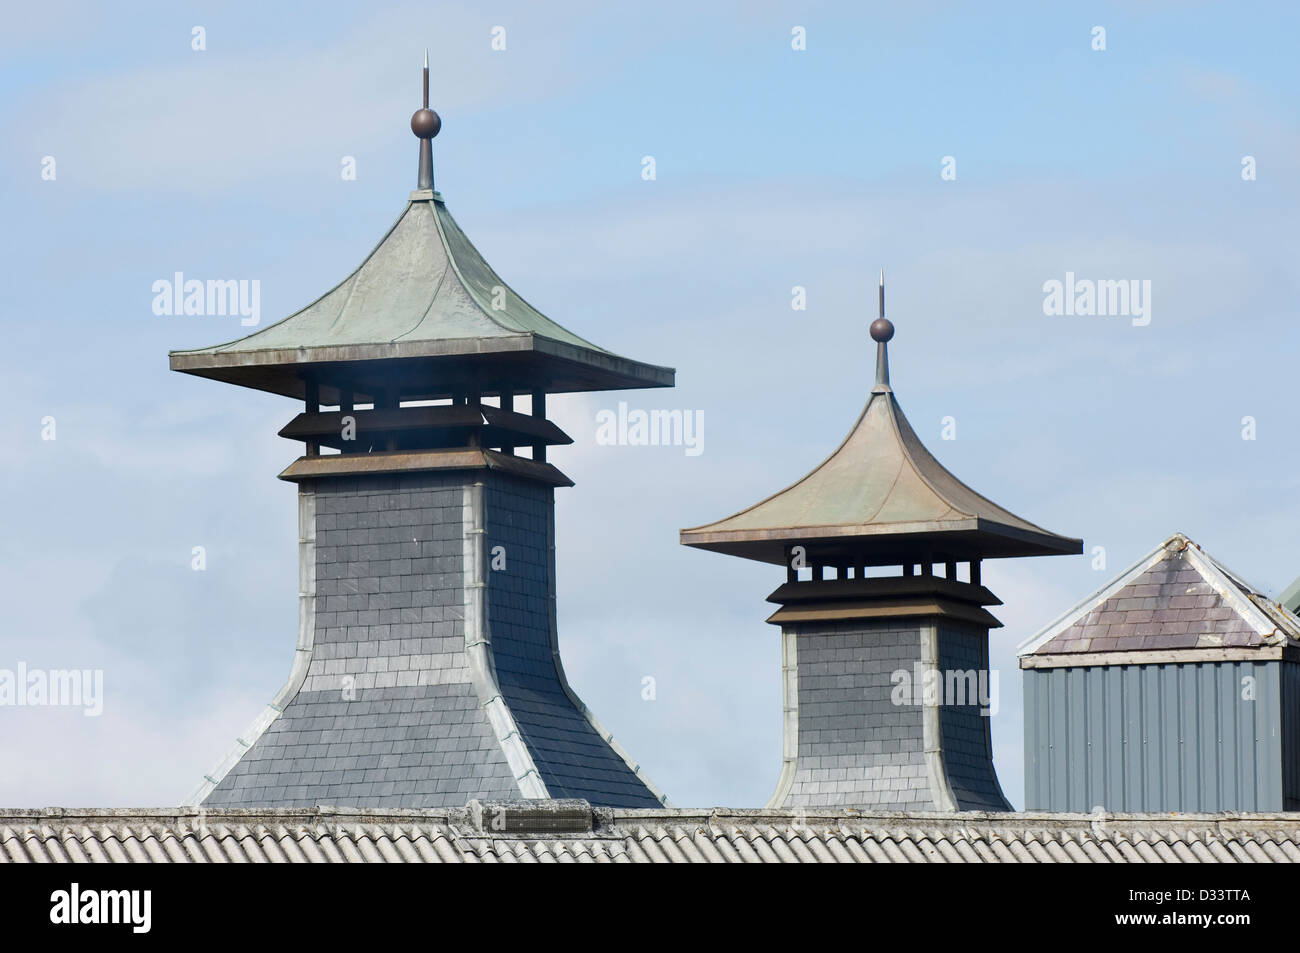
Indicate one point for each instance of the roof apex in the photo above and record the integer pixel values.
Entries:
(1272, 623)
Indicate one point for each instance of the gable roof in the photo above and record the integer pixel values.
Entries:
(885, 492)
(1290, 597)
(1175, 598)
(423, 296)
(327, 835)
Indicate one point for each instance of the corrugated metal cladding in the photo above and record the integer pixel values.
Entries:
(1174, 737)
(1290, 736)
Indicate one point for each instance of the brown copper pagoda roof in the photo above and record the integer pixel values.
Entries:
(879, 499)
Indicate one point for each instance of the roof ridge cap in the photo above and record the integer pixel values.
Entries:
(437, 287)
(956, 479)
(896, 411)
(487, 310)
(1234, 590)
(439, 209)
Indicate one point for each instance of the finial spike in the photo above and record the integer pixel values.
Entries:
(425, 124)
(882, 329)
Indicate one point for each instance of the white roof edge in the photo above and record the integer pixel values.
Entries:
(1236, 592)
(1085, 605)
(478, 651)
(1229, 588)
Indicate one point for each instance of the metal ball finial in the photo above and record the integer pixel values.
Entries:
(882, 330)
(425, 123)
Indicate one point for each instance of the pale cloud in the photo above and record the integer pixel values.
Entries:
(31, 27)
(203, 122)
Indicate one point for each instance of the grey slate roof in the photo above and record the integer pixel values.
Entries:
(572, 757)
(850, 744)
(1177, 597)
(423, 296)
(409, 693)
(642, 836)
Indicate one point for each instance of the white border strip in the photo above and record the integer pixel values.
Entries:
(931, 733)
(789, 718)
(478, 649)
(1230, 588)
(1154, 657)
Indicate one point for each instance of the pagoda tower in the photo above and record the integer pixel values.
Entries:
(883, 674)
(427, 670)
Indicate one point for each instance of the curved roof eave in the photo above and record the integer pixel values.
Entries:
(971, 512)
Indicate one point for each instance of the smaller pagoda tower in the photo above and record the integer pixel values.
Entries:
(885, 676)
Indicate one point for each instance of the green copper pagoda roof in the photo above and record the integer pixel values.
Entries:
(879, 499)
(423, 313)
(424, 317)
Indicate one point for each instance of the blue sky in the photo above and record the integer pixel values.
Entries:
(775, 168)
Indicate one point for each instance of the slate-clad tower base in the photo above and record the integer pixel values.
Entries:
(865, 725)
(427, 671)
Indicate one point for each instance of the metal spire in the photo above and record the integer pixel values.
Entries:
(425, 124)
(882, 329)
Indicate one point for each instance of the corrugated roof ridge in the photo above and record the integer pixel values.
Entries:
(679, 836)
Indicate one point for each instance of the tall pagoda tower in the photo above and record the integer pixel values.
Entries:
(427, 670)
(882, 672)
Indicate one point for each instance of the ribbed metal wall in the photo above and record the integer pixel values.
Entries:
(1158, 737)
(1290, 736)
